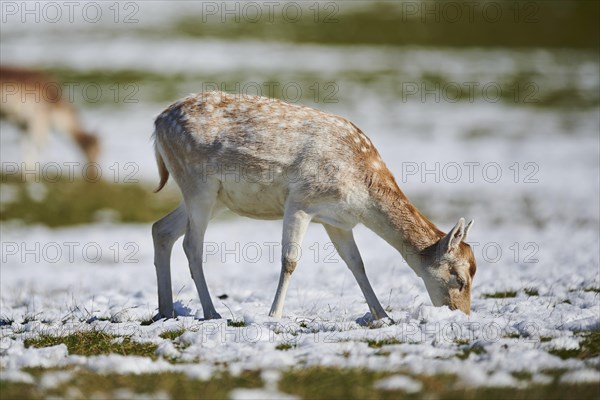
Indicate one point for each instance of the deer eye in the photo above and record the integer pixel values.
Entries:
(459, 280)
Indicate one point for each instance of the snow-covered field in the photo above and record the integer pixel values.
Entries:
(529, 176)
(59, 295)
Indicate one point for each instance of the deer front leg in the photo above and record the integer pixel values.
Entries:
(164, 234)
(343, 240)
(295, 222)
(199, 214)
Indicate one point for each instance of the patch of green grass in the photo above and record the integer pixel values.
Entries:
(285, 346)
(172, 335)
(565, 353)
(307, 383)
(555, 373)
(531, 292)
(176, 385)
(500, 295)
(93, 343)
(592, 289)
(545, 339)
(437, 79)
(382, 353)
(540, 24)
(333, 383)
(236, 323)
(467, 351)
(461, 341)
(589, 347)
(522, 375)
(140, 85)
(323, 87)
(147, 322)
(478, 133)
(513, 335)
(134, 85)
(377, 344)
(18, 390)
(68, 202)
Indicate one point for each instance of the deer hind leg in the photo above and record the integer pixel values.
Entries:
(36, 136)
(200, 207)
(164, 233)
(343, 240)
(295, 222)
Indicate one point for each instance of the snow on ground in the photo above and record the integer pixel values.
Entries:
(60, 295)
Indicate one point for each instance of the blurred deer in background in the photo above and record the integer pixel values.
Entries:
(32, 101)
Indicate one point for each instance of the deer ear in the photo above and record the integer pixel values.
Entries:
(467, 228)
(454, 237)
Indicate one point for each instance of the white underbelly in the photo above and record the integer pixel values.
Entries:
(266, 199)
(254, 200)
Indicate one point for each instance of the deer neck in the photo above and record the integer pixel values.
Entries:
(392, 217)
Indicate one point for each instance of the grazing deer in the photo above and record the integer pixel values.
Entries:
(31, 100)
(264, 158)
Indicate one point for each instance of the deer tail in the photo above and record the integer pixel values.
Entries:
(162, 169)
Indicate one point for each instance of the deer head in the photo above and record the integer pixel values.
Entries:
(448, 268)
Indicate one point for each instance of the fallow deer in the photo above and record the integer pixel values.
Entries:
(267, 159)
(33, 101)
